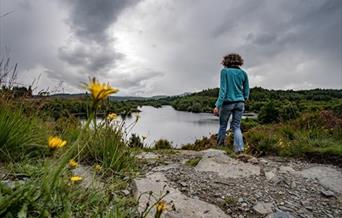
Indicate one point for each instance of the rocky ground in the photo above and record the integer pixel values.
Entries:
(213, 184)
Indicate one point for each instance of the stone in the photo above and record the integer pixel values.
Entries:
(327, 193)
(263, 208)
(165, 167)
(269, 175)
(240, 200)
(253, 160)
(286, 169)
(209, 153)
(226, 167)
(147, 155)
(277, 180)
(328, 177)
(88, 178)
(263, 161)
(285, 208)
(280, 214)
(183, 184)
(184, 206)
(125, 192)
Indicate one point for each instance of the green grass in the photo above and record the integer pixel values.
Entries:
(318, 132)
(193, 162)
(106, 147)
(20, 135)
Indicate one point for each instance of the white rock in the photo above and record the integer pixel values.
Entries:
(253, 160)
(184, 206)
(269, 175)
(213, 153)
(280, 214)
(328, 177)
(286, 169)
(147, 155)
(263, 208)
(88, 177)
(225, 166)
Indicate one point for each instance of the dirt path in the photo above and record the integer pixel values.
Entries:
(214, 185)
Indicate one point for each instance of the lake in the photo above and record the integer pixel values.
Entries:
(179, 127)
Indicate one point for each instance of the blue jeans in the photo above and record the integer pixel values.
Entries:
(236, 109)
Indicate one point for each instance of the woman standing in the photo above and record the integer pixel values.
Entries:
(234, 91)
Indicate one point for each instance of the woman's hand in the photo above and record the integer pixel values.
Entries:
(216, 111)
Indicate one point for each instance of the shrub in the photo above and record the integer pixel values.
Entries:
(162, 144)
(20, 135)
(135, 141)
(247, 124)
(201, 144)
(288, 112)
(261, 141)
(269, 113)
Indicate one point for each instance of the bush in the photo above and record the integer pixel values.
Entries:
(20, 135)
(135, 141)
(247, 124)
(201, 144)
(269, 113)
(162, 144)
(261, 141)
(288, 112)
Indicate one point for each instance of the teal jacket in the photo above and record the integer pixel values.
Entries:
(234, 86)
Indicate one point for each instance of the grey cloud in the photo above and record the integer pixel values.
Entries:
(90, 19)
(137, 79)
(91, 52)
(93, 58)
(285, 43)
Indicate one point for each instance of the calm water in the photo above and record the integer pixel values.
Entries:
(176, 126)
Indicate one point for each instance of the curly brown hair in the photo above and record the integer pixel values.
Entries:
(232, 60)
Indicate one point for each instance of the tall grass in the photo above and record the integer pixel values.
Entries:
(318, 132)
(107, 147)
(19, 135)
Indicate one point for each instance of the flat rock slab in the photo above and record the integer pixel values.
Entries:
(185, 207)
(88, 177)
(147, 155)
(263, 208)
(328, 177)
(213, 153)
(226, 167)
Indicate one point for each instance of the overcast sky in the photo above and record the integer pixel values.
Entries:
(153, 47)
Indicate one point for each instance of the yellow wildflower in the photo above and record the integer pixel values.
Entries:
(73, 163)
(75, 179)
(161, 206)
(111, 116)
(56, 142)
(98, 167)
(100, 91)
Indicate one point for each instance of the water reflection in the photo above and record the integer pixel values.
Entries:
(176, 126)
